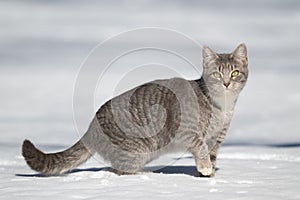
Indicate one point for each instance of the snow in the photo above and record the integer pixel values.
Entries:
(243, 173)
(44, 43)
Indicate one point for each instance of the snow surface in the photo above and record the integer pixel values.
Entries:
(243, 173)
(43, 44)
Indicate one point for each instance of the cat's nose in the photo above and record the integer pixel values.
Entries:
(226, 84)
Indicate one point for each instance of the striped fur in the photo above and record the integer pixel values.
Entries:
(162, 116)
(54, 163)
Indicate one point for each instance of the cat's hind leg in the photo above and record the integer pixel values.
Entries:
(128, 163)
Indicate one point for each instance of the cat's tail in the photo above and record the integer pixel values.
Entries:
(55, 163)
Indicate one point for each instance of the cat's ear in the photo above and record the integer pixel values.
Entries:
(240, 53)
(208, 55)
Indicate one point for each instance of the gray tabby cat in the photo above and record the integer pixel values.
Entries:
(158, 117)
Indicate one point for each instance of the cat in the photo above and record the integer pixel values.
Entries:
(158, 117)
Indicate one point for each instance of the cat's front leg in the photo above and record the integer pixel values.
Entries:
(202, 159)
(214, 151)
(213, 157)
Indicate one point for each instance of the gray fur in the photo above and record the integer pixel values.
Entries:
(162, 116)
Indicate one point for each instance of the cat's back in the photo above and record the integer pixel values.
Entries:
(156, 111)
(177, 93)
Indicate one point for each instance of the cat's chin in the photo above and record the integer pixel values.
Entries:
(222, 93)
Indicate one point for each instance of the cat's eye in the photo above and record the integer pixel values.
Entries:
(235, 73)
(217, 75)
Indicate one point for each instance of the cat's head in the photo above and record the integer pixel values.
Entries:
(225, 73)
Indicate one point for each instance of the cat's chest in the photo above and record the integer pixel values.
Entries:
(219, 121)
(218, 127)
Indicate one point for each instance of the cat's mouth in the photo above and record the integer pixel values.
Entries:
(227, 89)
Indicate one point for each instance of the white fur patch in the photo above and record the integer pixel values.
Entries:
(206, 171)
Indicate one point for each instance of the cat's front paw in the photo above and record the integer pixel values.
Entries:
(206, 172)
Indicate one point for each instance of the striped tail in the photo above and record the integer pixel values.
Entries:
(55, 163)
